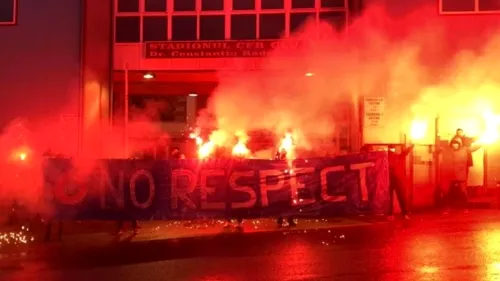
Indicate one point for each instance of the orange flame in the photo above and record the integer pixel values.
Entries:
(287, 145)
(418, 129)
(240, 149)
(204, 148)
(20, 154)
(207, 148)
(490, 134)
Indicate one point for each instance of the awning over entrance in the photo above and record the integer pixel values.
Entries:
(166, 82)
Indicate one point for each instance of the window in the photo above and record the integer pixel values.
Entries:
(158, 108)
(155, 5)
(457, 5)
(128, 6)
(184, 5)
(212, 5)
(272, 4)
(297, 20)
(489, 5)
(336, 19)
(127, 30)
(243, 27)
(8, 11)
(271, 26)
(301, 4)
(212, 27)
(332, 3)
(243, 4)
(154, 29)
(183, 28)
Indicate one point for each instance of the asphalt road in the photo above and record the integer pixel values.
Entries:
(430, 247)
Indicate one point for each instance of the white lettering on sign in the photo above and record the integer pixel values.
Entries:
(117, 193)
(252, 196)
(324, 184)
(362, 178)
(205, 190)
(373, 111)
(265, 187)
(152, 189)
(184, 183)
(180, 191)
(219, 49)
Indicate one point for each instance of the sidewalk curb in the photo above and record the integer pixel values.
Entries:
(53, 250)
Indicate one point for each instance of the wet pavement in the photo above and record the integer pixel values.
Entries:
(429, 247)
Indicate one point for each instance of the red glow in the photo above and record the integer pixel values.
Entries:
(421, 66)
(22, 156)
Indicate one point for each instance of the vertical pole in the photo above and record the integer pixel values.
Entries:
(347, 16)
(484, 188)
(126, 106)
(360, 119)
(411, 161)
(436, 158)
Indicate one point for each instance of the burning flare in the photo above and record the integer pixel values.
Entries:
(490, 134)
(418, 129)
(240, 149)
(215, 140)
(205, 149)
(20, 154)
(287, 146)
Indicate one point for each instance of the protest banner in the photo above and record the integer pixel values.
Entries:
(219, 188)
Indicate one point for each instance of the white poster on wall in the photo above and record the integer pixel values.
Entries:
(373, 111)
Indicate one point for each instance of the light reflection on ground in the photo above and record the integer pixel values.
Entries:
(458, 247)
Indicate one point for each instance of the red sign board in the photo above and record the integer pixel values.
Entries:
(217, 49)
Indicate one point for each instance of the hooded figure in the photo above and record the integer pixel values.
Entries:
(465, 142)
(455, 172)
(460, 157)
(397, 177)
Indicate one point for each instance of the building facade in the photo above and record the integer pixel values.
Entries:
(84, 48)
(31, 41)
(75, 62)
(181, 44)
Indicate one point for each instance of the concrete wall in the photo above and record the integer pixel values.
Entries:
(97, 74)
(40, 62)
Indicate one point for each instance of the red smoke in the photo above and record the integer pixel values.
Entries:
(25, 144)
(422, 62)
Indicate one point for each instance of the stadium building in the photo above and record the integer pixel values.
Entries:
(91, 59)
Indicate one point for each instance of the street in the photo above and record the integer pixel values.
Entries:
(429, 247)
